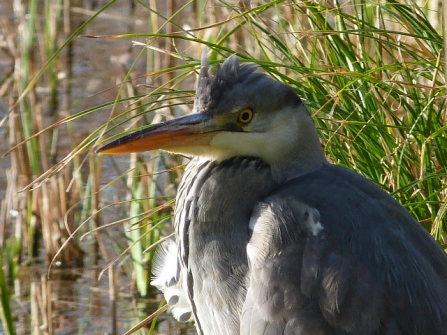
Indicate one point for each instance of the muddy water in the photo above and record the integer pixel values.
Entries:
(76, 301)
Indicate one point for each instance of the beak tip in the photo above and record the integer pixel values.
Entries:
(111, 148)
(170, 134)
(102, 150)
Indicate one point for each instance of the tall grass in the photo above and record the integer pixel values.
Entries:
(42, 212)
(5, 301)
(373, 75)
(36, 222)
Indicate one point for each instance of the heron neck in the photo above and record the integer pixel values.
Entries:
(303, 154)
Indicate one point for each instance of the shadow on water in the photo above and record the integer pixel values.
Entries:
(75, 301)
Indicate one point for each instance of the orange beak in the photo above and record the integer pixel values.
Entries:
(194, 129)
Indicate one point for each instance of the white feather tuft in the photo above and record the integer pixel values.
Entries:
(167, 279)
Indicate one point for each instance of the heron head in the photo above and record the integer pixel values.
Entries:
(238, 111)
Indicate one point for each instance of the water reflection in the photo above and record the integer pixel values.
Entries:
(69, 302)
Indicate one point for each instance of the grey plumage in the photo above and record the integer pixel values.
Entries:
(211, 220)
(372, 269)
(273, 239)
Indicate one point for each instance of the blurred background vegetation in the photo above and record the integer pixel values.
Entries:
(77, 231)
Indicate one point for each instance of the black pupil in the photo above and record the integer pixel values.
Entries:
(245, 116)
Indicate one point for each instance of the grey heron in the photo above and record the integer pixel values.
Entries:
(271, 238)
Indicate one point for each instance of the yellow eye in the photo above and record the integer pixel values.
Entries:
(245, 116)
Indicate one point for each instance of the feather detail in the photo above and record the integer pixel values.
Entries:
(167, 280)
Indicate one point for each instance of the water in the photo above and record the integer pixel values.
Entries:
(77, 301)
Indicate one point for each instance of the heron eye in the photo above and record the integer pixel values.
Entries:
(245, 116)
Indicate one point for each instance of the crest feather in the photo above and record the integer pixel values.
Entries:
(212, 88)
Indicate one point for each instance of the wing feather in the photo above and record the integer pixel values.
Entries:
(332, 253)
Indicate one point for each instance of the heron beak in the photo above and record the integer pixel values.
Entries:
(195, 129)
